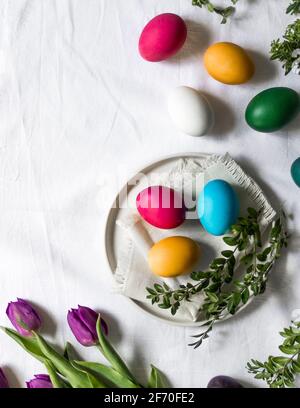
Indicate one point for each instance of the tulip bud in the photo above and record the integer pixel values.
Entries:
(3, 380)
(40, 381)
(82, 322)
(23, 317)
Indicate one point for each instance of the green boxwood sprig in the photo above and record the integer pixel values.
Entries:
(280, 371)
(224, 12)
(294, 7)
(219, 297)
(287, 50)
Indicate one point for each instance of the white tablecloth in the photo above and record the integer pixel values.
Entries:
(80, 111)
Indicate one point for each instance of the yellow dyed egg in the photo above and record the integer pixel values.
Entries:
(173, 256)
(228, 63)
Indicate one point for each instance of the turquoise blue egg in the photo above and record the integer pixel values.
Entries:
(295, 171)
(218, 207)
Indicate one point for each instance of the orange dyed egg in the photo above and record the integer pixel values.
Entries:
(228, 63)
(173, 256)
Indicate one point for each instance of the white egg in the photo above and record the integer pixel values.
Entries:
(190, 111)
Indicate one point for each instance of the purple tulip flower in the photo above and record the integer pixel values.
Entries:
(3, 380)
(23, 317)
(40, 381)
(82, 322)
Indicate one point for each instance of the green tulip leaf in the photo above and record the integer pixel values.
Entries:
(29, 344)
(156, 379)
(95, 381)
(69, 352)
(76, 378)
(56, 380)
(111, 355)
(107, 373)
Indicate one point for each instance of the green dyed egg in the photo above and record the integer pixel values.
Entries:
(272, 109)
(295, 171)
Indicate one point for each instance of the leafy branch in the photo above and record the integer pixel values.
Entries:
(287, 50)
(220, 270)
(258, 264)
(280, 371)
(224, 12)
(294, 7)
(245, 238)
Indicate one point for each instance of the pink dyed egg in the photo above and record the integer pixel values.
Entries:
(162, 37)
(161, 206)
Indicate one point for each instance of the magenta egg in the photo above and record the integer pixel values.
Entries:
(162, 37)
(161, 207)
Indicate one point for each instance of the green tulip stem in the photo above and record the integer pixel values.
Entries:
(111, 355)
(76, 378)
(56, 380)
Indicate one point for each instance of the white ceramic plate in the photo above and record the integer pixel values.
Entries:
(114, 235)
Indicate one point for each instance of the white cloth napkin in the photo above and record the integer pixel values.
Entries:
(133, 275)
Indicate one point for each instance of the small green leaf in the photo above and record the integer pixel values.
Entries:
(230, 241)
(197, 276)
(163, 306)
(280, 360)
(296, 367)
(267, 251)
(242, 245)
(231, 306)
(260, 376)
(219, 261)
(289, 349)
(212, 297)
(236, 299)
(245, 295)
(227, 253)
(214, 287)
(166, 286)
(262, 257)
(174, 308)
(210, 7)
(158, 288)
